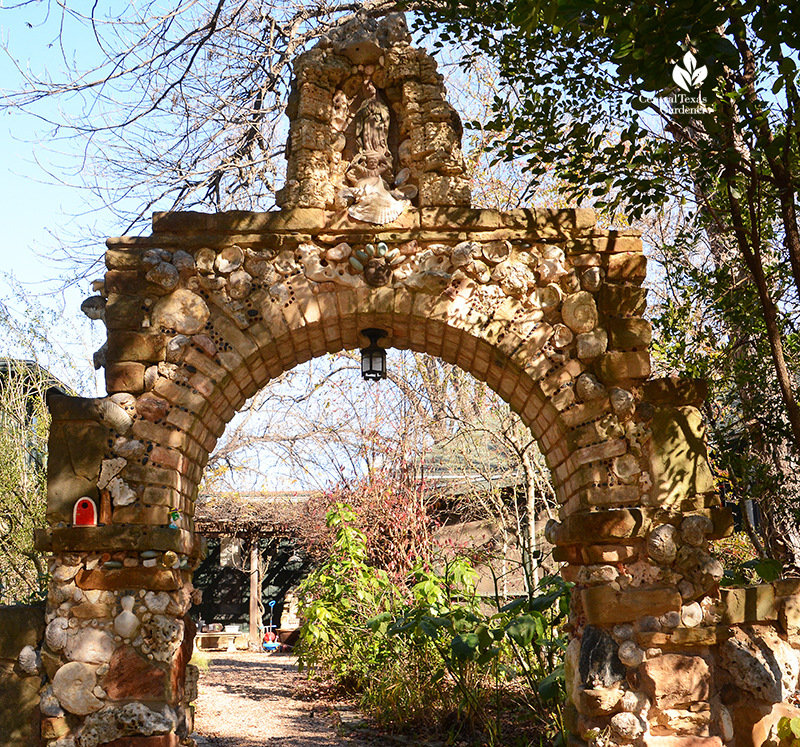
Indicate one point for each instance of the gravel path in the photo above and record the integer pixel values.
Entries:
(252, 700)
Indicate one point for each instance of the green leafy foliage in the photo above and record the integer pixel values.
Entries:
(789, 729)
(431, 651)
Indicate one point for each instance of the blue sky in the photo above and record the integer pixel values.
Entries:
(35, 209)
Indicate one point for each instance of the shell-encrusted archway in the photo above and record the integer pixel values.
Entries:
(375, 230)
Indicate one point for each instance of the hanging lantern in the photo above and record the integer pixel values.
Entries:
(373, 357)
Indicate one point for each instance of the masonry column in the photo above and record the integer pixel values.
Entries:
(118, 638)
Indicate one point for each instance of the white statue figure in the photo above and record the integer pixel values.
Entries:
(373, 202)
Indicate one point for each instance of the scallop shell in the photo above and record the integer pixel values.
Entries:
(56, 634)
(114, 416)
(229, 259)
(580, 312)
(378, 209)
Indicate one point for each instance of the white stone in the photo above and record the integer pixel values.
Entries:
(626, 725)
(109, 469)
(182, 311)
(126, 623)
(73, 685)
(90, 646)
(339, 252)
(157, 603)
(29, 660)
(121, 493)
(691, 615)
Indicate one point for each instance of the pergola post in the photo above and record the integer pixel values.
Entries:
(255, 593)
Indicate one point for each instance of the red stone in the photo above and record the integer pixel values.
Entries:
(163, 740)
(130, 677)
(676, 680)
(181, 659)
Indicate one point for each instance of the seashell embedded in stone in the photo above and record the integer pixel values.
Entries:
(182, 311)
(125, 400)
(464, 252)
(229, 259)
(150, 377)
(695, 529)
(626, 467)
(402, 176)
(285, 263)
(378, 209)
(588, 387)
(562, 336)
(279, 293)
(240, 284)
(496, 251)
(622, 402)
(73, 686)
(184, 263)
(661, 544)
(56, 634)
(551, 268)
(630, 654)
(591, 279)
(204, 259)
(406, 192)
(115, 417)
(579, 312)
(549, 297)
(164, 274)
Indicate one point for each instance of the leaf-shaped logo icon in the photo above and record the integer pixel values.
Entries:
(681, 77)
(691, 76)
(699, 75)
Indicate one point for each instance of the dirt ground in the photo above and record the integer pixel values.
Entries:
(259, 700)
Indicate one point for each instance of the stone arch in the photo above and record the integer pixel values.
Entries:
(541, 304)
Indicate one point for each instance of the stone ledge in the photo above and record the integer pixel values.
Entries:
(610, 525)
(603, 605)
(120, 537)
(153, 579)
(680, 638)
